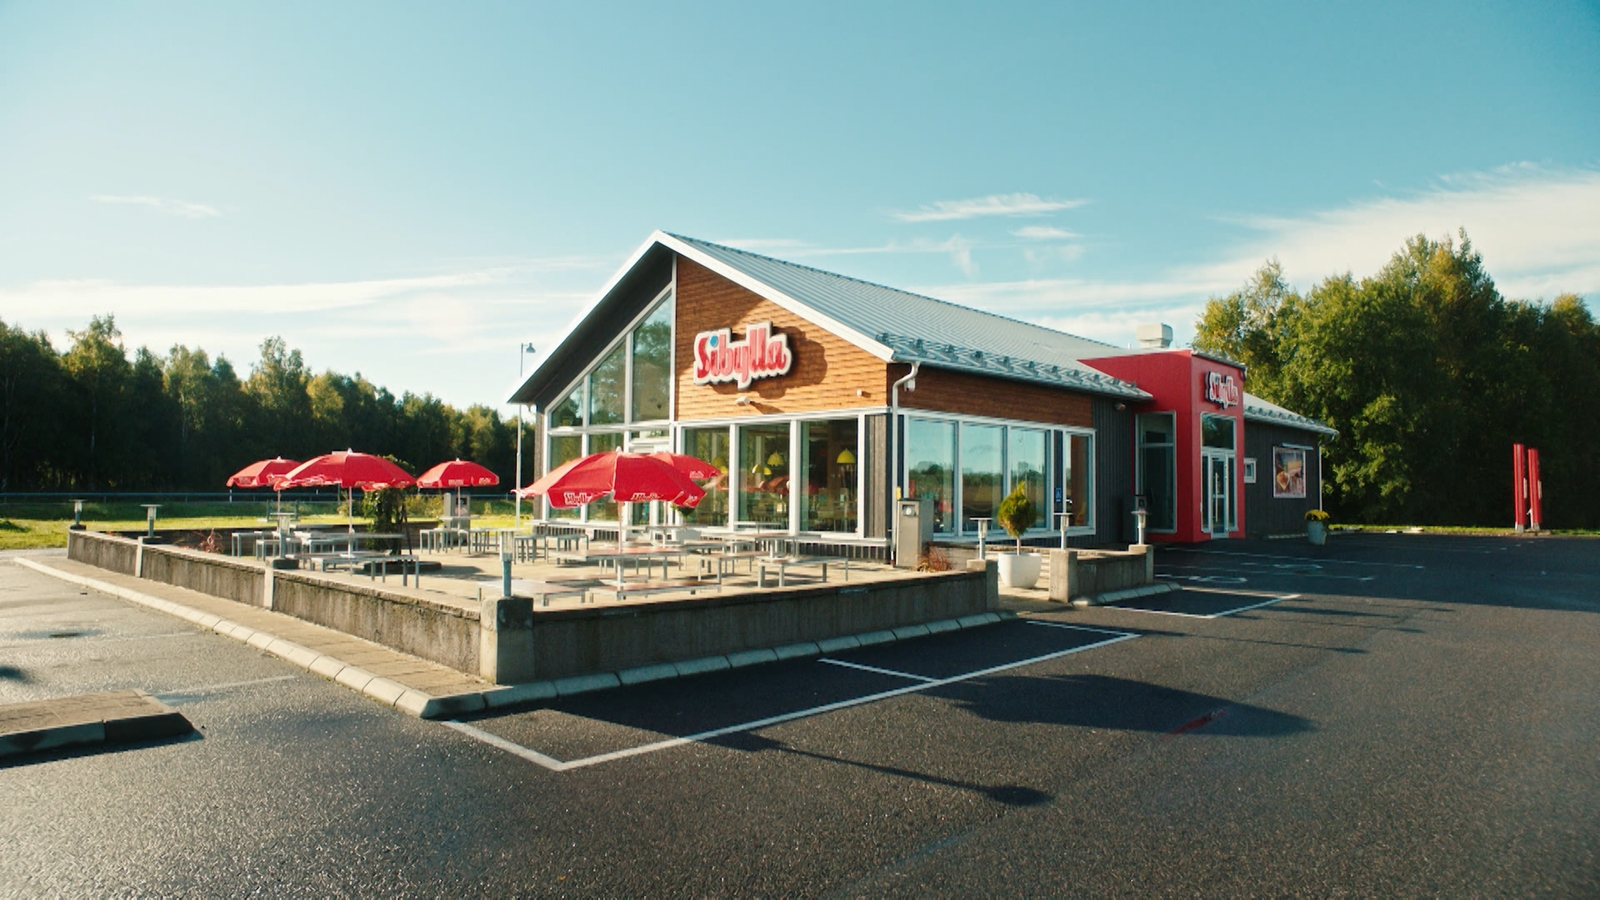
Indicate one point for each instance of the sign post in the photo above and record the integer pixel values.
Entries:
(1519, 485)
(1535, 491)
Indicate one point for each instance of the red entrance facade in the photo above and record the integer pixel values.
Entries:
(1188, 442)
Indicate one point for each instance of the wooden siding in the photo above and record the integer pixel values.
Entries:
(941, 390)
(879, 502)
(828, 373)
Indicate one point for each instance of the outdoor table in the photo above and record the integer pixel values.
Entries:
(255, 537)
(792, 562)
(485, 540)
(621, 556)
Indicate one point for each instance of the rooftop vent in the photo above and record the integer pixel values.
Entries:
(1154, 337)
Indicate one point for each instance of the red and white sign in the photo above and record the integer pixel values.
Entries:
(1223, 390)
(719, 358)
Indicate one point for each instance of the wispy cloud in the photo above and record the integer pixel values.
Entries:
(958, 248)
(1043, 233)
(1538, 230)
(992, 205)
(164, 205)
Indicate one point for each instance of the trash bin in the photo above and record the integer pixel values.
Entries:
(913, 527)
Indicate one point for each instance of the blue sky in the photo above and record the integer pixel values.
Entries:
(409, 190)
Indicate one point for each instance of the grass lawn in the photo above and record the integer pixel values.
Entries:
(26, 526)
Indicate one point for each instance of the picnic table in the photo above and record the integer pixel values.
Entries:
(619, 557)
(784, 563)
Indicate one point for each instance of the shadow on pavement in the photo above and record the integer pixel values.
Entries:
(1101, 701)
(1007, 794)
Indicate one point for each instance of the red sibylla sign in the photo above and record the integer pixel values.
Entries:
(718, 358)
(1221, 389)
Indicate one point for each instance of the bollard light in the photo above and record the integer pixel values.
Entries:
(150, 518)
(77, 514)
(1139, 516)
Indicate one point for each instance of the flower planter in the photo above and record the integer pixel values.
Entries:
(1020, 570)
(1317, 532)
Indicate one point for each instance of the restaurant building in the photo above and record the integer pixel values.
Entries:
(824, 398)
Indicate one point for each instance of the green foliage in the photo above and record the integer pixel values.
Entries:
(95, 417)
(1430, 376)
(1016, 513)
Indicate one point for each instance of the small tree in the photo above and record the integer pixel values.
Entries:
(1016, 514)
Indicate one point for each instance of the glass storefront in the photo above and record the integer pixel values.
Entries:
(1029, 461)
(1158, 469)
(711, 445)
(830, 455)
(930, 455)
(1052, 464)
(982, 478)
(564, 449)
(604, 510)
(764, 475)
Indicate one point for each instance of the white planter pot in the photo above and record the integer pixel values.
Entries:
(1317, 532)
(1020, 570)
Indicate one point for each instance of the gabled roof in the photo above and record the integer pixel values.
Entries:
(1259, 410)
(900, 326)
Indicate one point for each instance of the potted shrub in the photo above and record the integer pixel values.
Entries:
(1016, 515)
(1317, 526)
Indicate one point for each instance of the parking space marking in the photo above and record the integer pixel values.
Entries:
(556, 765)
(1281, 571)
(1216, 615)
(1303, 559)
(851, 665)
(168, 696)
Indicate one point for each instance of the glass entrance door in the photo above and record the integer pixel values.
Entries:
(1217, 505)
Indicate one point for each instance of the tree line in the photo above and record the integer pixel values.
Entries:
(1430, 376)
(91, 418)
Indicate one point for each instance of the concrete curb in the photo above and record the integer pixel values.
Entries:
(426, 706)
(123, 716)
(1129, 594)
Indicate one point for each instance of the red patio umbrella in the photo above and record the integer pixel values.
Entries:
(263, 473)
(627, 477)
(692, 466)
(457, 473)
(349, 470)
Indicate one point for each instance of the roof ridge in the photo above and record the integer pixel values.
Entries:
(966, 309)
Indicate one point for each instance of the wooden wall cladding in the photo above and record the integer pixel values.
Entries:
(942, 390)
(828, 371)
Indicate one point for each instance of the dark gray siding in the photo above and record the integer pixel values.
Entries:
(1263, 513)
(1113, 472)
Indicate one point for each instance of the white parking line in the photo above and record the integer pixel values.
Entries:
(225, 686)
(1218, 615)
(1303, 559)
(851, 665)
(556, 765)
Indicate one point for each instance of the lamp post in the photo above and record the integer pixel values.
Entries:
(523, 350)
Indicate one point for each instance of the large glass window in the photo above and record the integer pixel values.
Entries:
(568, 411)
(604, 510)
(1028, 457)
(982, 478)
(1077, 480)
(1216, 432)
(764, 464)
(711, 445)
(1158, 469)
(606, 387)
(831, 455)
(652, 365)
(563, 449)
(930, 468)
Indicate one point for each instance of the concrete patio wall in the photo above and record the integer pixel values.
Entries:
(1086, 573)
(523, 645)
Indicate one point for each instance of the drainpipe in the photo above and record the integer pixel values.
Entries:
(910, 382)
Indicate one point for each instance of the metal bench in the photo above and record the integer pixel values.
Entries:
(623, 591)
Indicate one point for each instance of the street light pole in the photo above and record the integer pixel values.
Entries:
(522, 352)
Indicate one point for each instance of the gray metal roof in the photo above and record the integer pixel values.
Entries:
(914, 328)
(1261, 411)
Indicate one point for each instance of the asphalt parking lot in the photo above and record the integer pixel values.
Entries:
(1383, 716)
